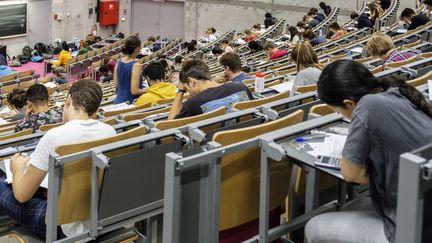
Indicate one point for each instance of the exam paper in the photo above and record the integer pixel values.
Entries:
(117, 107)
(357, 49)
(9, 175)
(283, 86)
(332, 146)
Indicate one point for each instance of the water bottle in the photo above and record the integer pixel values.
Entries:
(259, 82)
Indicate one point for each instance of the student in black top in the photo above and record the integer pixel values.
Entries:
(409, 16)
(207, 95)
(388, 118)
(269, 20)
(363, 20)
(385, 4)
(326, 8)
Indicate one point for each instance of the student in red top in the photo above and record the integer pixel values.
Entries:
(250, 36)
(273, 52)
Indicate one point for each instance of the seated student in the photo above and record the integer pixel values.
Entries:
(363, 20)
(232, 66)
(226, 46)
(106, 59)
(427, 8)
(302, 27)
(24, 200)
(313, 39)
(106, 74)
(178, 62)
(294, 35)
(63, 58)
(375, 11)
(381, 46)
(269, 20)
(307, 63)
(254, 47)
(385, 4)
(388, 117)
(409, 16)
(159, 89)
(257, 29)
(217, 51)
(318, 16)
(85, 48)
(250, 36)
(272, 51)
(17, 101)
(326, 8)
(309, 19)
(210, 36)
(207, 95)
(59, 78)
(38, 112)
(337, 30)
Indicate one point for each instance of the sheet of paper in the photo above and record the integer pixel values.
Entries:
(9, 150)
(430, 89)
(401, 31)
(50, 85)
(357, 49)
(116, 107)
(9, 175)
(332, 146)
(5, 110)
(283, 86)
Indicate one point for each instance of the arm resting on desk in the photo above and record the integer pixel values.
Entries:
(25, 182)
(353, 172)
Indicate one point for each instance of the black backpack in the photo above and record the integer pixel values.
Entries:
(27, 52)
(40, 48)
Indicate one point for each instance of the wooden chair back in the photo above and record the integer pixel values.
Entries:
(26, 85)
(17, 134)
(8, 77)
(110, 121)
(82, 57)
(167, 124)
(8, 88)
(74, 197)
(26, 73)
(272, 83)
(420, 80)
(47, 127)
(426, 55)
(90, 53)
(378, 69)
(242, 105)
(240, 180)
(306, 88)
(142, 115)
(321, 109)
(409, 45)
(118, 112)
(45, 79)
(362, 60)
(401, 63)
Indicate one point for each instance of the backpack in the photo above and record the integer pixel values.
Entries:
(26, 54)
(3, 60)
(40, 48)
(15, 62)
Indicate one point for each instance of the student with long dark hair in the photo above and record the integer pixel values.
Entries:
(127, 72)
(388, 118)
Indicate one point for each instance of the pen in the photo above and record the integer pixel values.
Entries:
(308, 138)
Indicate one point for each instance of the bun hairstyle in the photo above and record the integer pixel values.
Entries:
(336, 84)
(17, 98)
(132, 42)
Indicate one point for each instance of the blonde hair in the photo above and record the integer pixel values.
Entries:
(304, 56)
(247, 32)
(379, 45)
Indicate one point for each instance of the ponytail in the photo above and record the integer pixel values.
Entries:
(410, 92)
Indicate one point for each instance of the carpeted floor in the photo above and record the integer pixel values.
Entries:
(38, 67)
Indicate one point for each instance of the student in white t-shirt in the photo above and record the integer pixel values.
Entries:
(24, 200)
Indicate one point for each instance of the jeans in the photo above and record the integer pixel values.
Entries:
(357, 222)
(30, 214)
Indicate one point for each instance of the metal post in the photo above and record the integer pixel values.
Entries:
(264, 196)
(311, 197)
(52, 206)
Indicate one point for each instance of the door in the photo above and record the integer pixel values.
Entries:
(164, 18)
(38, 13)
